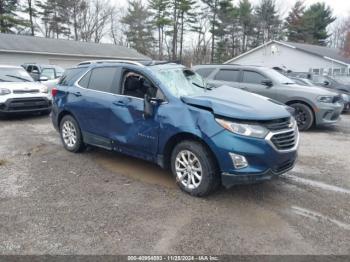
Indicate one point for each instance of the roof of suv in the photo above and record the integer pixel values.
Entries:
(142, 63)
(228, 66)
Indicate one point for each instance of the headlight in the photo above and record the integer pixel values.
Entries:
(325, 99)
(345, 97)
(4, 91)
(44, 90)
(244, 129)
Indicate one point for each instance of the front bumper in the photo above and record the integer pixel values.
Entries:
(328, 114)
(25, 105)
(265, 161)
(229, 180)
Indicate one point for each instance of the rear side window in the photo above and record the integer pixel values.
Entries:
(252, 77)
(102, 79)
(227, 75)
(204, 72)
(70, 76)
(84, 82)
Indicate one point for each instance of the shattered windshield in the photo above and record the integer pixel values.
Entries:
(182, 82)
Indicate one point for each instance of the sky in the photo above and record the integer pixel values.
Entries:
(341, 8)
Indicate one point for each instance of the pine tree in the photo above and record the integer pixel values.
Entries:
(246, 22)
(226, 31)
(9, 21)
(30, 9)
(316, 20)
(213, 6)
(186, 16)
(160, 21)
(268, 20)
(294, 23)
(139, 27)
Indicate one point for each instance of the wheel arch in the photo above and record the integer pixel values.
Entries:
(62, 114)
(289, 103)
(176, 139)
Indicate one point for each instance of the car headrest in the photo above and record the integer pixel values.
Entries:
(132, 83)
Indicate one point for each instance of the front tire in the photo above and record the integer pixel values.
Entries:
(71, 135)
(303, 115)
(194, 168)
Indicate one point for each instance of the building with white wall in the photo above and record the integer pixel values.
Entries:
(296, 57)
(19, 49)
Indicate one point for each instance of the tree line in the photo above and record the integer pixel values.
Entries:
(190, 31)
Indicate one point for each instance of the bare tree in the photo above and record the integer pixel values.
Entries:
(95, 18)
(116, 27)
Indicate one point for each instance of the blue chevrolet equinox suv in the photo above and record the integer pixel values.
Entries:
(165, 113)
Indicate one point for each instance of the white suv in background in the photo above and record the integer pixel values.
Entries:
(20, 94)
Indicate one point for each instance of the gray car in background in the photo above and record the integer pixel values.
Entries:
(313, 105)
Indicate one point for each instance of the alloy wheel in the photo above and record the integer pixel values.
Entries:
(69, 134)
(188, 169)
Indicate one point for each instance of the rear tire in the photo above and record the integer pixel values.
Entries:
(194, 168)
(303, 115)
(71, 135)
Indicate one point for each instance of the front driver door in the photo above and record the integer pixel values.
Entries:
(132, 133)
(252, 82)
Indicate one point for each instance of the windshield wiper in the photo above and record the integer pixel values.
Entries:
(203, 87)
(20, 78)
(288, 83)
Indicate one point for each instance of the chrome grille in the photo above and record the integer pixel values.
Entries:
(26, 91)
(285, 140)
(278, 124)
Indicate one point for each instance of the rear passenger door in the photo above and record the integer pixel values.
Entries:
(229, 77)
(252, 82)
(92, 102)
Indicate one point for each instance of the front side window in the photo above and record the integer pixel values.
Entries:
(136, 85)
(14, 75)
(102, 79)
(252, 77)
(49, 73)
(227, 75)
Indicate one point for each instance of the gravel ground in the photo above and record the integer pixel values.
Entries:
(99, 202)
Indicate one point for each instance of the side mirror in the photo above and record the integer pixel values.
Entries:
(267, 82)
(326, 83)
(43, 78)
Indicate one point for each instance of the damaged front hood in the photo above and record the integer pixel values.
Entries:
(234, 103)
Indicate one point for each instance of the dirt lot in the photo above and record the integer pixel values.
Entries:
(98, 202)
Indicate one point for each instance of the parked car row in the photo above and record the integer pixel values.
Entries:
(328, 82)
(211, 125)
(313, 105)
(20, 94)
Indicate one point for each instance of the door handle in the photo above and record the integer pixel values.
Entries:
(119, 103)
(76, 93)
